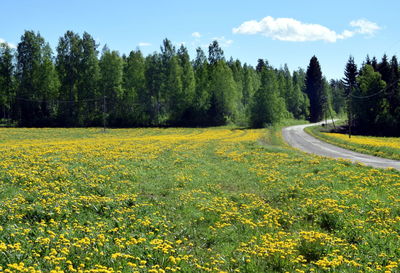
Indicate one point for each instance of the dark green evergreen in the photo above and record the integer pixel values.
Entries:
(314, 89)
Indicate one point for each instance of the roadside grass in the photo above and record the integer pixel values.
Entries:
(386, 147)
(273, 137)
(189, 200)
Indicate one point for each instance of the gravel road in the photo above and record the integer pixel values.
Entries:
(298, 138)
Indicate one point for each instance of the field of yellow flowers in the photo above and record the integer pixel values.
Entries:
(189, 200)
(387, 147)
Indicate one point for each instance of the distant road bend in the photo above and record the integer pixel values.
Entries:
(297, 138)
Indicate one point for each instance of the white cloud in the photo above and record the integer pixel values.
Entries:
(178, 44)
(223, 42)
(365, 27)
(196, 34)
(9, 44)
(142, 44)
(289, 29)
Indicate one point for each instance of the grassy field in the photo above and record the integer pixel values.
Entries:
(387, 147)
(189, 200)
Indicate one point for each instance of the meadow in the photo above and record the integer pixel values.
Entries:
(387, 147)
(189, 200)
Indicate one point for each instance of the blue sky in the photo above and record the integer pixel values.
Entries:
(280, 31)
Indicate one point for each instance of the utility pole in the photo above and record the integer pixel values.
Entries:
(350, 122)
(333, 121)
(350, 113)
(104, 113)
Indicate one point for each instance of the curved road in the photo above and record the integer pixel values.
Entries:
(296, 137)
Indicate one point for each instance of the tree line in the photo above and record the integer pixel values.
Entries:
(79, 86)
(373, 96)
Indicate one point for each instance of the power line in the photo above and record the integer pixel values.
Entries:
(375, 94)
(57, 101)
(369, 96)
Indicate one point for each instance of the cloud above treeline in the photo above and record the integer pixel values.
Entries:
(143, 44)
(2, 41)
(289, 29)
(196, 34)
(222, 41)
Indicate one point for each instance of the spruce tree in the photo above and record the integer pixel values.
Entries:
(314, 89)
(260, 65)
(395, 93)
(350, 86)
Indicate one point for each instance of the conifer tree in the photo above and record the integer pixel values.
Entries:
(314, 89)
(350, 86)
(260, 65)
(395, 93)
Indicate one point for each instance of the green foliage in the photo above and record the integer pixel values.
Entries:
(110, 83)
(267, 107)
(77, 87)
(69, 52)
(315, 90)
(88, 84)
(373, 111)
(224, 94)
(152, 93)
(373, 96)
(201, 100)
(7, 80)
(37, 81)
(338, 96)
(134, 82)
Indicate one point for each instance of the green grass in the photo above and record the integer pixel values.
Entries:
(189, 200)
(371, 145)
